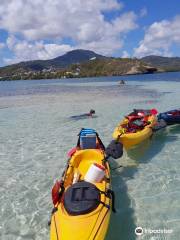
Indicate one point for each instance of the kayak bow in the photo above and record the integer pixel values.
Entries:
(84, 208)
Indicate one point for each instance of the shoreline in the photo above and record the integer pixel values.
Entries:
(83, 77)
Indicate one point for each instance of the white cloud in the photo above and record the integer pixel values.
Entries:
(159, 38)
(24, 50)
(108, 38)
(35, 22)
(82, 21)
(104, 46)
(125, 23)
(38, 19)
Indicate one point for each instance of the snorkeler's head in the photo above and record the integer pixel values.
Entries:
(92, 111)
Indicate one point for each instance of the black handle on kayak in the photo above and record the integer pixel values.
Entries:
(117, 139)
(112, 195)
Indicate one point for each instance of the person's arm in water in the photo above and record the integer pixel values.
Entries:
(89, 114)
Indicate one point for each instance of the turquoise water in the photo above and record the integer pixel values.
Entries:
(37, 132)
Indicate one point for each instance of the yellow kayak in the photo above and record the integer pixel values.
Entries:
(130, 134)
(84, 208)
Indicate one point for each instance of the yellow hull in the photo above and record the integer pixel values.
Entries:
(91, 226)
(131, 139)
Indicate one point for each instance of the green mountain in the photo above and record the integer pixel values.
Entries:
(85, 63)
(56, 64)
(111, 67)
(163, 63)
(75, 56)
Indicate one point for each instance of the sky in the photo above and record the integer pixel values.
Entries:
(45, 29)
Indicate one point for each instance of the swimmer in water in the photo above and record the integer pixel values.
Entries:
(85, 115)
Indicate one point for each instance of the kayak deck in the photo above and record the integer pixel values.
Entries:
(128, 138)
(94, 224)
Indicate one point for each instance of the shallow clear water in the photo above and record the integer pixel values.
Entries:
(36, 133)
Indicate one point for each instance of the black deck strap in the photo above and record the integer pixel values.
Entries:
(106, 193)
(105, 205)
(100, 225)
(110, 194)
(61, 191)
(63, 173)
(101, 143)
(56, 228)
(66, 168)
(78, 142)
(118, 137)
(107, 179)
(105, 160)
(52, 212)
